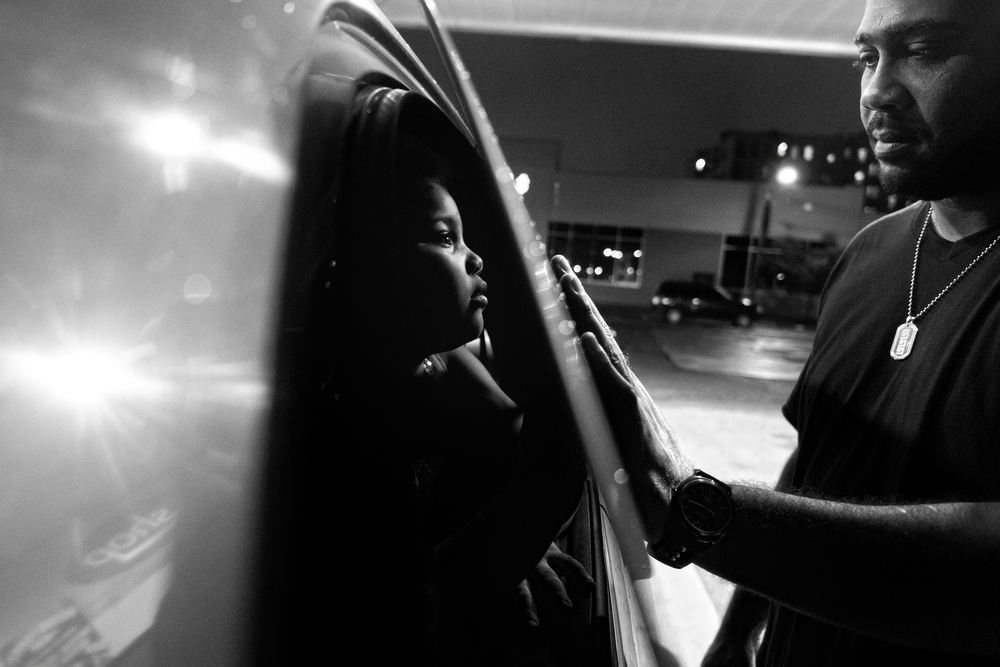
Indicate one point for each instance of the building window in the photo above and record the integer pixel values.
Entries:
(600, 253)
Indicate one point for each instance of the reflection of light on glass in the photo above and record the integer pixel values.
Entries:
(859, 176)
(700, 164)
(566, 327)
(599, 270)
(607, 252)
(175, 176)
(807, 153)
(630, 270)
(289, 7)
(637, 254)
(782, 149)
(80, 376)
(180, 138)
(160, 262)
(254, 160)
(577, 268)
(181, 75)
(522, 183)
(617, 254)
(590, 270)
(787, 175)
(197, 289)
(831, 158)
(172, 135)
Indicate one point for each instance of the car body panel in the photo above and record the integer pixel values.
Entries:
(160, 165)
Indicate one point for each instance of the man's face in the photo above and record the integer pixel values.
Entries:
(930, 94)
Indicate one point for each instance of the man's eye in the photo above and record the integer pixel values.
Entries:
(866, 61)
(924, 51)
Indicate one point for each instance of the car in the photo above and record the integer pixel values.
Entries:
(678, 300)
(169, 173)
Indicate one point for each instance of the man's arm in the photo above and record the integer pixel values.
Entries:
(738, 635)
(921, 575)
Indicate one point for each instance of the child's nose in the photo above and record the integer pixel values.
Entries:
(473, 263)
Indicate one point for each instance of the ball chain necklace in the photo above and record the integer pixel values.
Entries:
(902, 344)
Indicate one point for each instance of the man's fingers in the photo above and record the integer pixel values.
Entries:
(589, 320)
(607, 373)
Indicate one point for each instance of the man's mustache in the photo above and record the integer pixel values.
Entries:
(881, 122)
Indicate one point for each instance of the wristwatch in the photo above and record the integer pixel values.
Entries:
(700, 511)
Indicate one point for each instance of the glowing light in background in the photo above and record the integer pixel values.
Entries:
(700, 164)
(787, 175)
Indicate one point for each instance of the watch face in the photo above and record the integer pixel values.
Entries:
(706, 507)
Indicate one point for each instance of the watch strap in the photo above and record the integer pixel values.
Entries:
(681, 543)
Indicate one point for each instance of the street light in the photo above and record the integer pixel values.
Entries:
(786, 176)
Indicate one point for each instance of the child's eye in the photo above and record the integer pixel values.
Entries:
(445, 238)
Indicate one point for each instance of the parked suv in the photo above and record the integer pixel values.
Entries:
(679, 300)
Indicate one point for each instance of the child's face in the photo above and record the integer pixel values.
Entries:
(443, 295)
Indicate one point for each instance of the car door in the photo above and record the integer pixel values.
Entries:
(165, 173)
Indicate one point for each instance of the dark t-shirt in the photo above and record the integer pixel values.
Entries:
(874, 428)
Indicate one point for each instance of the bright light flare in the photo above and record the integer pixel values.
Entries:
(179, 138)
(254, 160)
(522, 183)
(80, 376)
(787, 175)
(172, 135)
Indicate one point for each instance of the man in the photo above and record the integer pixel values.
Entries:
(881, 546)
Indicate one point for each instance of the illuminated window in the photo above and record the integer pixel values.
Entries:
(604, 254)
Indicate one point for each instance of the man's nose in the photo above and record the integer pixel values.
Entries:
(882, 88)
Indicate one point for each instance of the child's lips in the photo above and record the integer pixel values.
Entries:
(479, 295)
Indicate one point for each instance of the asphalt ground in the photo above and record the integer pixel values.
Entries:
(721, 388)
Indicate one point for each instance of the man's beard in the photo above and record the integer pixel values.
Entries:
(946, 169)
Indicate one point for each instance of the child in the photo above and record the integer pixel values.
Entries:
(456, 501)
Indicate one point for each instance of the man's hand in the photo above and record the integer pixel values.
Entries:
(549, 593)
(646, 442)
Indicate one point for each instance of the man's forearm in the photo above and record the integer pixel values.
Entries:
(923, 575)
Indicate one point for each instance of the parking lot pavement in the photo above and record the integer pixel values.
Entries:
(722, 389)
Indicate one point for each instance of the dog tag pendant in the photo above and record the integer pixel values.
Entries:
(903, 342)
